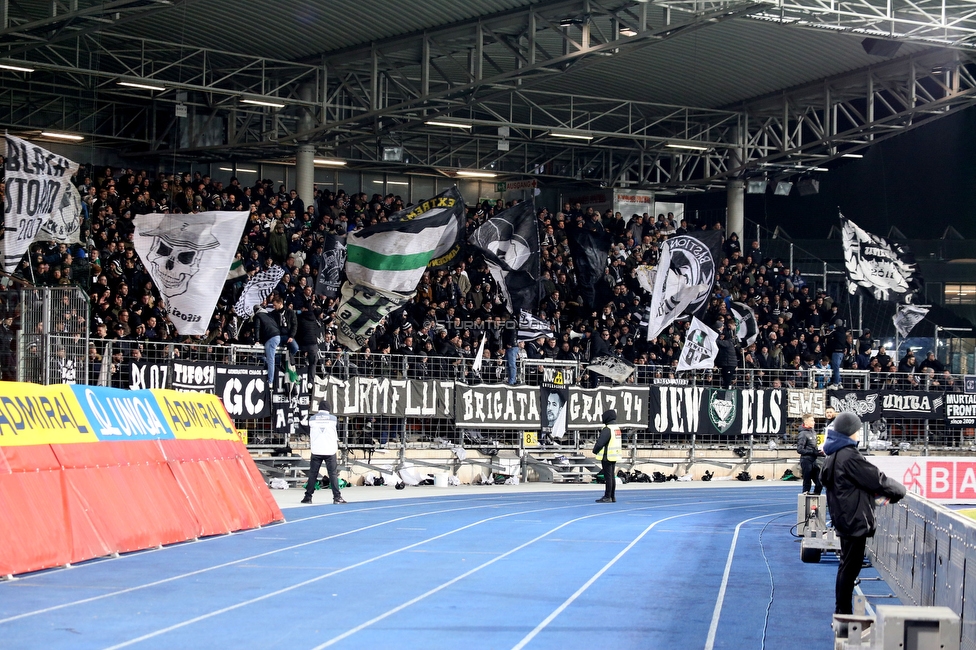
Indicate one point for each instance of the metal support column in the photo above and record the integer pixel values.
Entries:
(736, 212)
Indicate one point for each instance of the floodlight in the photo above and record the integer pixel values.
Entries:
(807, 186)
(783, 188)
(756, 186)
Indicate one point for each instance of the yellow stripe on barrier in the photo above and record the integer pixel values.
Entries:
(195, 416)
(41, 415)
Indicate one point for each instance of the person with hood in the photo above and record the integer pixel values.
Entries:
(267, 333)
(607, 449)
(853, 485)
(806, 446)
(310, 334)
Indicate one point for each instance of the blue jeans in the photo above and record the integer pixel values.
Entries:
(836, 359)
(270, 347)
(511, 358)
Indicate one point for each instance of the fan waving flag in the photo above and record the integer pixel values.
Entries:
(384, 263)
(882, 267)
(531, 328)
(700, 349)
(510, 244)
(38, 183)
(908, 316)
(684, 278)
(188, 257)
(615, 368)
(746, 329)
(257, 289)
(590, 250)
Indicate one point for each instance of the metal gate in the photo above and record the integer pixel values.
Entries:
(53, 344)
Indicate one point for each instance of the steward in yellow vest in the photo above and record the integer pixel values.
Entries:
(607, 450)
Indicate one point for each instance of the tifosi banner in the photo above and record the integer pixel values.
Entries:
(37, 182)
(198, 376)
(386, 397)
(717, 412)
(497, 406)
(586, 407)
(244, 391)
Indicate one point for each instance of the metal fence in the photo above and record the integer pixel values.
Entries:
(53, 343)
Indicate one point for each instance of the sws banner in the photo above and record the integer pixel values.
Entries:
(497, 406)
(801, 401)
(387, 397)
(244, 391)
(586, 407)
(714, 411)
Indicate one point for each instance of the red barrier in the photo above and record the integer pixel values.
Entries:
(73, 502)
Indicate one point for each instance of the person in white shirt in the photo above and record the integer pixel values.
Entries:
(324, 439)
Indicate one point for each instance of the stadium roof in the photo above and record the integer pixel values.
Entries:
(677, 94)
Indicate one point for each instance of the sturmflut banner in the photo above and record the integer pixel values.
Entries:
(37, 183)
(713, 411)
(386, 397)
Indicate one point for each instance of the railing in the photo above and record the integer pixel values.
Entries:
(925, 552)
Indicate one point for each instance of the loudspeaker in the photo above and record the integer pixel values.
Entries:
(879, 47)
(807, 186)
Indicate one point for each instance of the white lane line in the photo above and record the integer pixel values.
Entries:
(238, 561)
(579, 592)
(717, 613)
(304, 583)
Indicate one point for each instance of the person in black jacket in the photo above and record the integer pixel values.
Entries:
(267, 333)
(726, 359)
(310, 334)
(852, 485)
(806, 446)
(607, 449)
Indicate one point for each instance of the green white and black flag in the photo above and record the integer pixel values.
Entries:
(384, 263)
(510, 243)
(700, 349)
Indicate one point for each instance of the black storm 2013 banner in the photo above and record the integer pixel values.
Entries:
(711, 411)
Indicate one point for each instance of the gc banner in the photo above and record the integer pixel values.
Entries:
(244, 391)
(586, 407)
(497, 406)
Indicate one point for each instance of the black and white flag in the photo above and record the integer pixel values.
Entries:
(37, 182)
(64, 226)
(684, 278)
(510, 243)
(530, 328)
(615, 368)
(746, 328)
(700, 349)
(878, 265)
(257, 289)
(590, 250)
(331, 262)
(908, 316)
(188, 257)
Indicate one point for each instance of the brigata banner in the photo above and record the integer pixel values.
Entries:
(960, 409)
(713, 411)
(386, 397)
(497, 406)
(586, 406)
(244, 391)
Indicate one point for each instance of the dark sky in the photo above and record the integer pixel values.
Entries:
(921, 182)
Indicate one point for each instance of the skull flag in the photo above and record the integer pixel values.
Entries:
(187, 257)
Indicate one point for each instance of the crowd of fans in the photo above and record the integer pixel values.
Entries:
(801, 330)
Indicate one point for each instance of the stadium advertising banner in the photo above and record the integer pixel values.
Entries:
(497, 406)
(941, 479)
(48, 415)
(713, 411)
(586, 407)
